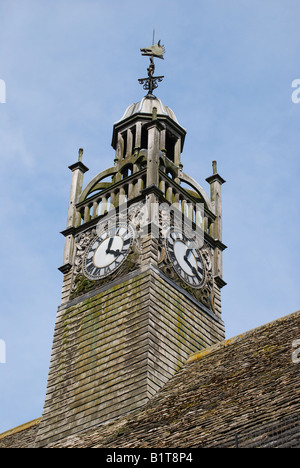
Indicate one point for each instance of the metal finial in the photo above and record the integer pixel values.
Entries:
(156, 50)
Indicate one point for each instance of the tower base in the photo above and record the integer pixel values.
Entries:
(116, 346)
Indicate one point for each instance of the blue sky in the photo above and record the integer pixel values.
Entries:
(71, 69)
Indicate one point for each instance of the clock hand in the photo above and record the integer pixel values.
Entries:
(194, 271)
(109, 250)
(187, 254)
(109, 245)
(186, 258)
(115, 252)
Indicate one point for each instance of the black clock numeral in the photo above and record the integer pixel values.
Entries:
(194, 279)
(186, 276)
(199, 267)
(89, 260)
(118, 260)
(91, 269)
(107, 270)
(126, 241)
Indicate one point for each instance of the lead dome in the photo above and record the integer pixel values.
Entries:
(146, 106)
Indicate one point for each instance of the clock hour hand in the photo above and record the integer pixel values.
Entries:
(187, 254)
(115, 252)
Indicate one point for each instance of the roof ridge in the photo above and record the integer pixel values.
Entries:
(227, 342)
(20, 428)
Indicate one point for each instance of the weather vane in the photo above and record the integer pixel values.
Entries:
(156, 50)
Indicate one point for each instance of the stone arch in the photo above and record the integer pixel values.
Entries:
(95, 184)
(197, 188)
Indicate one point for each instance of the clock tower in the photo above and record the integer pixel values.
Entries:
(142, 273)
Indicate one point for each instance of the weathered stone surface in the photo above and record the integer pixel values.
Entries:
(20, 437)
(246, 385)
(115, 347)
(240, 385)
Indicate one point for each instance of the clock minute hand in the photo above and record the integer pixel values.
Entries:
(188, 262)
(109, 245)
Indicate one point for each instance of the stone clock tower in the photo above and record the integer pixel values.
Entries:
(142, 270)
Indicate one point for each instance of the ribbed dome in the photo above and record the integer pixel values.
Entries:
(146, 105)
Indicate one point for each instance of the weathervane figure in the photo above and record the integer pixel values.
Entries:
(150, 83)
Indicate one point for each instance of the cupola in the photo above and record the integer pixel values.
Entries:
(131, 132)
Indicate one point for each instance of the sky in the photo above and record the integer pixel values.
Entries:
(70, 69)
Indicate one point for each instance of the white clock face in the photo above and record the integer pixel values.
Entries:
(107, 252)
(186, 259)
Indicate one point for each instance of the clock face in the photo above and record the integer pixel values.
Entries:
(107, 252)
(185, 258)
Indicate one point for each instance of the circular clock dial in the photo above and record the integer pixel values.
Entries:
(107, 252)
(185, 258)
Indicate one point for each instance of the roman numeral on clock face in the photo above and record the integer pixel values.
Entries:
(89, 260)
(107, 269)
(91, 269)
(126, 242)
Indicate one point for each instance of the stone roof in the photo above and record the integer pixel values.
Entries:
(238, 390)
(20, 437)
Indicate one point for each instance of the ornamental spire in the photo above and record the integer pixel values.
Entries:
(150, 83)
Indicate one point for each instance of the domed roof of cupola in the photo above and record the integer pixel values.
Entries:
(149, 108)
(146, 106)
